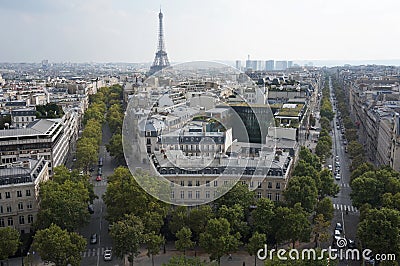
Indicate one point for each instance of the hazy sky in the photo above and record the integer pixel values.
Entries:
(126, 30)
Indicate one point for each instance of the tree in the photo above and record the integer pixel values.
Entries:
(325, 123)
(184, 241)
(9, 242)
(325, 208)
(198, 218)
(301, 189)
(182, 261)
(303, 168)
(366, 189)
(391, 201)
(307, 156)
(363, 168)
(239, 194)
(256, 242)
(380, 231)
(86, 152)
(153, 243)
(179, 219)
(236, 217)
(351, 134)
(127, 235)
(63, 204)
(291, 224)
(320, 229)
(327, 186)
(122, 197)
(217, 239)
(354, 148)
(323, 148)
(59, 246)
(114, 147)
(263, 215)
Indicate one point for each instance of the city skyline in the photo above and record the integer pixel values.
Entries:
(126, 31)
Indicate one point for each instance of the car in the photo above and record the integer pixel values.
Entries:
(100, 162)
(336, 235)
(74, 159)
(351, 243)
(337, 164)
(337, 177)
(93, 239)
(98, 178)
(91, 169)
(100, 171)
(90, 209)
(330, 167)
(107, 256)
(339, 227)
(110, 226)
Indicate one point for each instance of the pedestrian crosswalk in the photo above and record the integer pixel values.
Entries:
(342, 207)
(93, 252)
(344, 185)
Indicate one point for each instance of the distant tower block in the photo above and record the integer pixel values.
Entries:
(161, 59)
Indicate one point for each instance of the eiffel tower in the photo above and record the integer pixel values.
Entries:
(161, 59)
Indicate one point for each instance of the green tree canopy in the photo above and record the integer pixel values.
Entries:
(217, 239)
(9, 242)
(301, 189)
(63, 204)
(59, 246)
(127, 235)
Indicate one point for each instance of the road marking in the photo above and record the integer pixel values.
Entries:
(342, 207)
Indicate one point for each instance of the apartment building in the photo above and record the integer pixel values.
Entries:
(19, 192)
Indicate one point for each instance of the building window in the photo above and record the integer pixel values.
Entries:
(197, 194)
(197, 183)
(243, 182)
(29, 205)
(190, 183)
(19, 193)
(278, 185)
(225, 182)
(269, 195)
(9, 208)
(189, 194)
(259, 195)
(20, 206)
(30, 218)
(207, 183)
(269, 184)
(251, 184)
(0, 195)
(207, 194)
(10, 221)
(21, 219)
(182, 183)
(2, 222)
(277, 196)
(149, 141)
(172, 183)
(8, 195)
(28, 192)
(1, 209)
(182, 194)
(259, 184)
(215, 183)
(172, 194)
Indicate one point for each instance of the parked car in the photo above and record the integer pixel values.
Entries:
(107, 255)
(330, 167)
(98, 178)
(339, 227)
(351, 243)
(93, 239)
(337, 177)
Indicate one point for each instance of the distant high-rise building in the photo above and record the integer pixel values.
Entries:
(290, 64)
(161, 59)
(270, 65)
(260, 65)
(239, 64)
(281, 65)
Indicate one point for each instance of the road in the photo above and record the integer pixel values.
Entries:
(342, 201)
(98, 224)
